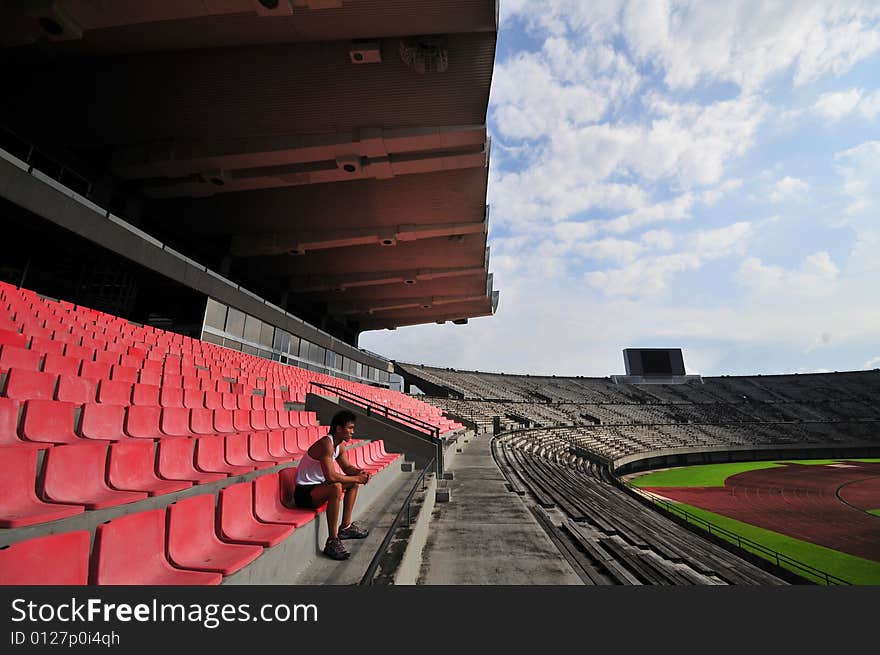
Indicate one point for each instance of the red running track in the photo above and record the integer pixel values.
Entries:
(822, 504)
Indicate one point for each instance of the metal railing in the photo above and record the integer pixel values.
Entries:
(781, 559)
(370, 573)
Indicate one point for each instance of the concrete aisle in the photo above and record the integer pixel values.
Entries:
(377, 518)
(486, 535)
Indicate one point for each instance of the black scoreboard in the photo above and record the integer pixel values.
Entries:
(653, 361)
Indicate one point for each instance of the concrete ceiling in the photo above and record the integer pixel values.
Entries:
(255, 137)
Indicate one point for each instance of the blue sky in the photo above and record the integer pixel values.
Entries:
(701, 175)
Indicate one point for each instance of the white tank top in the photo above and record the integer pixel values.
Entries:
(310, 471)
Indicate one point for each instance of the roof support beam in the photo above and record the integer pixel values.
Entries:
(369, 307)
(253, 245)
(341, 282)
(180, 158)
(342, 169)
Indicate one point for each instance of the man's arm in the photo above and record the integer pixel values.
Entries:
(347, 466)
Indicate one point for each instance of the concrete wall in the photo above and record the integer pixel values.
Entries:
(283, 563)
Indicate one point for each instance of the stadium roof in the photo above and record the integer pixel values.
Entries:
(267, 143)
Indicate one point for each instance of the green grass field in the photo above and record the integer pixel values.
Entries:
(714, 475)
(855, 570)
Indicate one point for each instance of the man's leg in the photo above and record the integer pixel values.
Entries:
(331, 493)
(351, 492)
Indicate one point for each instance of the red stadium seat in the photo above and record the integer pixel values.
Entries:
(9, 410)
(19, 504)
(171, 397)
(211, 457)
(223, 421)
(22, 384)
(143, 422)
(79, 352)
(238, 523)
(11, 338)
(193, 399)
(283, 419)
(95, 370)
(139, 353)
(102, 422)
(76, 390)
(145, 395)
(193, 544)
(149, 377)
(12, 357)
(229, 401)
(268, 507)
(106, 356)
(258, 449)
(56, 559)
(356, 457)
(49, 421)
(241, 420)
(213, 400)
(175, 422)
(61, 365)
(47, 346)
(176, 462)
(124, 374)
(131, 362)
(114, 393)
(271, 418)
(291, 443)
(201, 421)
(75, 475)
(132, 468)
(276, 446)
(287, 482)
(237, 452)
(130, 550)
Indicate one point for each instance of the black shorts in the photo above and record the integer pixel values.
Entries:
(302, 495)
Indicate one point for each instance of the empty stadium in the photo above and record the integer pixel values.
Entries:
(231, 195)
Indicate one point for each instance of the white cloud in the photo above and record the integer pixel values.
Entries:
(815, 277)
(659, 239)
(651, 275)
(589, 167)
(534, 93)
(837, 105)
(787, 189)
(744, 42)
(872, 363)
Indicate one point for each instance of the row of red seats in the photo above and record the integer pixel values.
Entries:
(76, 361)
(23, 385)
(95, 476)
(46, 422)
(191, 542)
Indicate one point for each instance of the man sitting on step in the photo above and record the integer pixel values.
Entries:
(318, 481)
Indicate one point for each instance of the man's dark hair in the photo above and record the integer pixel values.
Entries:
(340, 418)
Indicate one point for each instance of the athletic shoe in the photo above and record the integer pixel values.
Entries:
(335, 550)
(353, 531)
